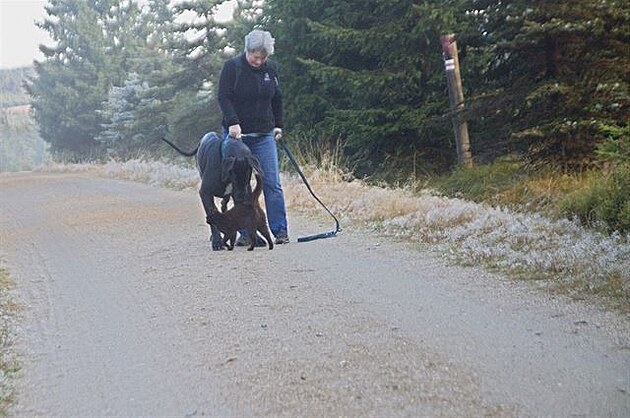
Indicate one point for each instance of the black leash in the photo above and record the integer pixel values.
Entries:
(308, 186)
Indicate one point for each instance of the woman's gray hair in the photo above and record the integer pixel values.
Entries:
(259, 40)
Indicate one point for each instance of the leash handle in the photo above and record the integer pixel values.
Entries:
(317, 236)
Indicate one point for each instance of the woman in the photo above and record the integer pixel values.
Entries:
(251, 103)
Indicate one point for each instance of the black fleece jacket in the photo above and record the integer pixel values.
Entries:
(254, 100)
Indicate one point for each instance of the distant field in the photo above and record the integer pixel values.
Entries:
(22, 110)
(21, 147)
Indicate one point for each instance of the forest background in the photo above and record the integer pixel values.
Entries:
(546, 85)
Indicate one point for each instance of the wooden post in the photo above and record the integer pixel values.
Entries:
(456, 99)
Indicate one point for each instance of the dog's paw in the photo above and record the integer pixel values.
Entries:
(217, 242)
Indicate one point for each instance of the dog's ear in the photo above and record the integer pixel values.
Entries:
(226, 169)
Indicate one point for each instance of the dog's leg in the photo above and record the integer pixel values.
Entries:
(228, 241)
(264, 231)
(251, 231)
(232, 238)
(215, 237)
(224, 202)
(209, 207)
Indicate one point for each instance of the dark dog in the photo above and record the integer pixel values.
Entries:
(249, 216)
(222, 163)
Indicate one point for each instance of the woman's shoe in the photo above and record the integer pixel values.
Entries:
(282, 238)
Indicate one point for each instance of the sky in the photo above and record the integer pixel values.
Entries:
(20, 38)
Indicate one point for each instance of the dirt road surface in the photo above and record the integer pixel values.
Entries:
(127, 312)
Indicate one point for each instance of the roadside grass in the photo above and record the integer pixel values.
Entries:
(50, 166)
(9, 364)
(155, 173)
(528, 243)
(597, 201)
(603, 200)
(510, 184)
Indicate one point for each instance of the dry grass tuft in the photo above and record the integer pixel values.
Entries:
(155, 173)
(53, 167)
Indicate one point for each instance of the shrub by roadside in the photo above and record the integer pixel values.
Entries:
(604, 202)
(599, 199)
(9, 365)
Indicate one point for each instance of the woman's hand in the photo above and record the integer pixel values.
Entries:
(235, 131)
(277, 133)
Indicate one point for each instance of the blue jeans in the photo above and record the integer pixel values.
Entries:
(264, 147)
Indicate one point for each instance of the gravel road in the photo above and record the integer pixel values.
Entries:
(127, 312)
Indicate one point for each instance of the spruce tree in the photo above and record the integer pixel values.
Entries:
(72, 81)
(556, 75)
(137, 108)
(374, 79)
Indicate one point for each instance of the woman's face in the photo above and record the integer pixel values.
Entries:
(256, 59)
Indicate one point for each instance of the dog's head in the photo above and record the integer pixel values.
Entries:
(214, 218)
(238, 162)
(238, 171)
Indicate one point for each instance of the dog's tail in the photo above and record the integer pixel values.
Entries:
(258, 188)
(187, 154)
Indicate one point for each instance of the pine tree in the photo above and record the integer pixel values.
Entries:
(136, 111)
(120, 133)
(374, 79)
(196, 46)
(73, 80)
(557, 74)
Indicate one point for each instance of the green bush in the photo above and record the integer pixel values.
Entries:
(600, 199)
(616, 147)
(604, 202)
(481, 182)
(606, 199)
